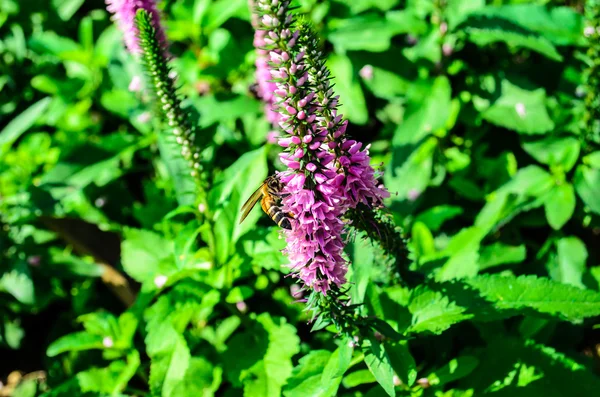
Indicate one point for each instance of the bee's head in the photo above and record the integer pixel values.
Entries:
(274, 184)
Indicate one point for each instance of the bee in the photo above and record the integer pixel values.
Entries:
(269, 194)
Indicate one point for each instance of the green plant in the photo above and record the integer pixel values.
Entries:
(121, 273)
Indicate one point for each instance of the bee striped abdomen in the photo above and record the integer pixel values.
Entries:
(280, 218)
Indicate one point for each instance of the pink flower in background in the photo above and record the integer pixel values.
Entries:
(136, 84)
(124, 14)
(266, 87)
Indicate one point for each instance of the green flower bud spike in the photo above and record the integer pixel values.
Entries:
(168, 105)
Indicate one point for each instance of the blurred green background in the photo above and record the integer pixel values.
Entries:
(483, 114)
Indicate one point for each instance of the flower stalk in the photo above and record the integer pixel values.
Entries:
(167, 102)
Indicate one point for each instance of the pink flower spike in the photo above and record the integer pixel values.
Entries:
(124, 15)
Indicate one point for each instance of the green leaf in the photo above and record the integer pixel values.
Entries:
(462, 252)
(433, 312)
(569, 263)
(587, 185)
(77, 341)
(201, 379)
(379, 364)
(371, 32)
(539, 294)
(560, 25)
(484, 30)
(435, 217)
(359, 6)
(555, 151)
(222, 10)
(409, 176)
(337, 365)
(347, 86)
(21, 123)
(167, 370)
(527, 189)
(216, 110)
(357, 378)
(239, 294)
(411, 168)
(230, 191)
(18, 283)
(266, 363)
(520, 110)
(11, 333)
(501, 254)
(66, 8)
(457, 11)
(560, 205)
(387, 84)
(402, 361)
(422, 240)
(145, 254)
(178, 168)
(110, 380)
(305, 379)
(431, 111)
(592, 159)
(457, 368)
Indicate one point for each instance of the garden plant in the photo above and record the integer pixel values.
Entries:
(299, 198)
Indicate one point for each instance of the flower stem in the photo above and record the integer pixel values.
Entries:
(167, 102)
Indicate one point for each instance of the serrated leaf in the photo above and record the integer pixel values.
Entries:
(560, 205)
(520, 110)
(433, 312)
(507, 365)
(539, 294)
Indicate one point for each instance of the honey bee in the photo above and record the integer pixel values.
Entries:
(269, 194)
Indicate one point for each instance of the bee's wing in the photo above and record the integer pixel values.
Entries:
(251, 202)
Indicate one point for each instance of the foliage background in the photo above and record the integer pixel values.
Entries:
(114, 283)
